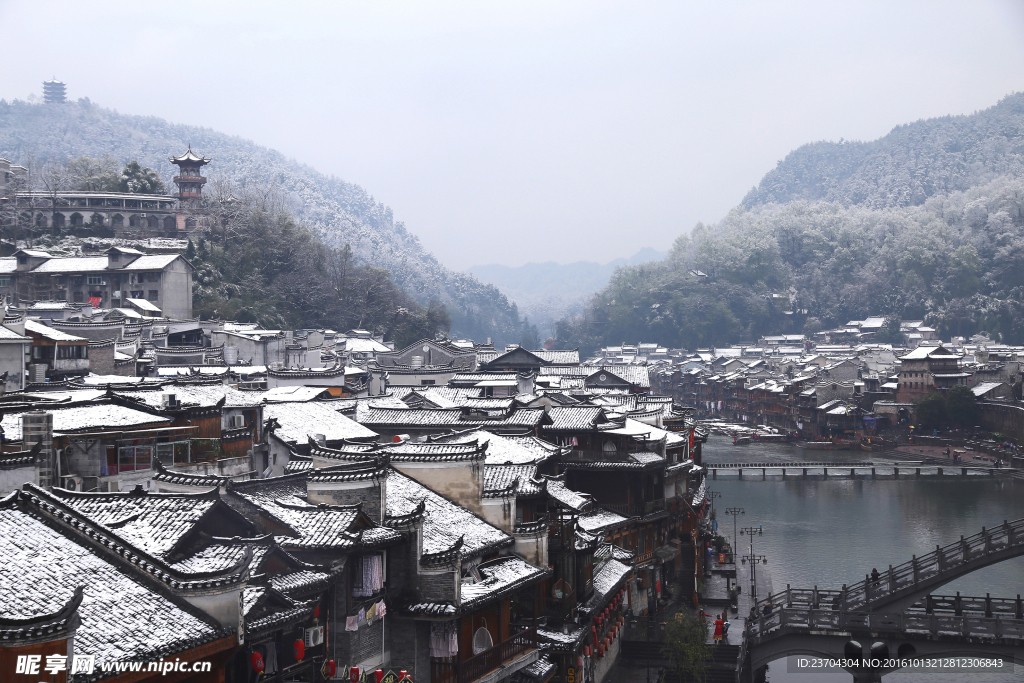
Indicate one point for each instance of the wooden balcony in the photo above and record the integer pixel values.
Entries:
(636, 509)
(478, 666)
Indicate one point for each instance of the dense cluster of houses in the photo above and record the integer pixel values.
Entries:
(316, 505)
(829, 389)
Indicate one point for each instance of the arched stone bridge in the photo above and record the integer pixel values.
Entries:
(897, 613)
(900, 586)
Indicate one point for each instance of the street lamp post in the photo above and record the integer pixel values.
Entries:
(712, 495)
(735, 538)
(751, 531)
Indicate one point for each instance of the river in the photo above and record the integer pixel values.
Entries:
(830, 532)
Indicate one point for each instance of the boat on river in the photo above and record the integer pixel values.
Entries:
(741, 441)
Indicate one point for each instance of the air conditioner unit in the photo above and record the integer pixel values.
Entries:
(314, 636)
(237, 421)
(103, 283)
(70, 482)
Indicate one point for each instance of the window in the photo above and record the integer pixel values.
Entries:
(95, 279)
(367, 576)
(154, 295)
(72, 352)
(76, 280)
(5, 280)
(79, 298)
(427, 382)
(152, 277)
(114, 256)
(62, 295)
(137, 294)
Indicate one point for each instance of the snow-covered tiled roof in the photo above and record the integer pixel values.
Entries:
(574, 418)
(450, 417)
(50, 333)
(315, 526)
(98, 417)
(122, 618)
(565, 496)
(505, 450)
(444, 521)
(600, 520)
(143, 305)
(608, 578)
(152, 262)
(153, 522)
(300, 421)
(500, 577)
(500, 477)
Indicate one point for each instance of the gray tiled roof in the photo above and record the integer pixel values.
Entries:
(450, 417)
(600, 520)
(500, 477)
(314, 526)
(122, 618)
(565, 496)
(504, 450)
(153, 522)
(445, 521)
(574, 418)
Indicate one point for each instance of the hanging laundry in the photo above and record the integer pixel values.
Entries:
(368, 576)
(371, 614)
(444, 639)
(270, 661)
(362, 615)
(381, 609)
(352, 623)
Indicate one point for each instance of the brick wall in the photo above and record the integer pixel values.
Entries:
(438, 586)
(410, 648)
(101, 359)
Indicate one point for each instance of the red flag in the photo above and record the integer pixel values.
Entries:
(94, 301)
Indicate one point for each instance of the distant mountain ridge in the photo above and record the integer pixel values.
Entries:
(926, 222)
(547, 291)
(339, 212)
(913, 162)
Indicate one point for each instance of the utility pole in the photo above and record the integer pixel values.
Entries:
(735, 538)
(712, 495)
(751, 531)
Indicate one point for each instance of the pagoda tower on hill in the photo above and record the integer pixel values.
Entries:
(190, 180)
(54, 92)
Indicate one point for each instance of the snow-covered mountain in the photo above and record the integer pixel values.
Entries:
(339, 212)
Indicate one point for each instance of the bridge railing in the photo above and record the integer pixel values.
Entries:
(909, 574)
(935, 624)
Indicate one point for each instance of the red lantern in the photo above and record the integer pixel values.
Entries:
(586, 650)
(600, 651)
(299, 650)
(579, 661)
(257, 662)
(330, 668)
(316, 612)
(402, 675)
(378, 675)
(353, 674)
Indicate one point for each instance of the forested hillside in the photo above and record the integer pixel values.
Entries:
(335, 211)
(913, 162)
(926, 223)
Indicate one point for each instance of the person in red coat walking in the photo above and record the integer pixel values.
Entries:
(718, 628)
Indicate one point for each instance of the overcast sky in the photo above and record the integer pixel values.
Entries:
(528, 131)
